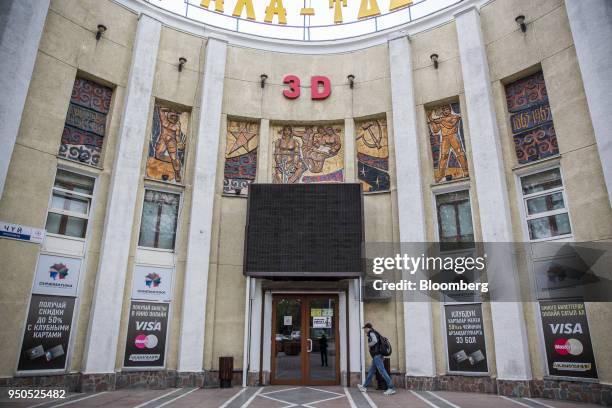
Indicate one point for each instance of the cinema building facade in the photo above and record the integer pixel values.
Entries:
(128, 162)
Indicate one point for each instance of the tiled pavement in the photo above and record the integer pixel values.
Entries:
(285, 397)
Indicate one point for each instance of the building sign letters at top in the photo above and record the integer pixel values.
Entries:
(367, 8)
(320, 87)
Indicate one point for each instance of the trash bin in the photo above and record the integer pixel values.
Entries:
(380, 381)
(226, 371)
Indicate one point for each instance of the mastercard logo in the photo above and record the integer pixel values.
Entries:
(143, 341)
(568, 346)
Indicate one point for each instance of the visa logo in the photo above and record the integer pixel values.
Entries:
(567, 328)
(149, 326)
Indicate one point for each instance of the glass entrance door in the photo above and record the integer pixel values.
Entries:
(305, 346)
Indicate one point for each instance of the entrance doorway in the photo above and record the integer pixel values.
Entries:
(305, 340)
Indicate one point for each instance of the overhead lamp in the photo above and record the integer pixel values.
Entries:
(351, 80)
(101, 30)
(434, 59)
(520, 20)
(263, 79)
(182, 61)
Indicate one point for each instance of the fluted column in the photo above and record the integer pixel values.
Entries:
(511, 357)
(191, 340)
(418, 325)
(101, 346)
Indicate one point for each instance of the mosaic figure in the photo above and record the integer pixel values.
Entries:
(166, 159)
(531, 119)
(308, 154)
(85, 124)
(240, 156)
(373, 155)
(447, 142)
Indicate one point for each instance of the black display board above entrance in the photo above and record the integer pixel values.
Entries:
(304, 231)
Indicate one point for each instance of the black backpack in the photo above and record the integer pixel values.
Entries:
(384, 345)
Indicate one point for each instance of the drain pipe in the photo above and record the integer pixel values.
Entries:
(247, 332)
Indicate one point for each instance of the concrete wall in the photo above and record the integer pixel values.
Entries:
(68, 47)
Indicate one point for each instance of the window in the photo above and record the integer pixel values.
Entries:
(159, 217)
(545, 208)
(455, 220)
(70, 204)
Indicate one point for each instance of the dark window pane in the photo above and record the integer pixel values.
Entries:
(66, 225)
(545, 203)
(455, 219)
(159, 216)
(74, 182)
(551, 226)
(545, 180)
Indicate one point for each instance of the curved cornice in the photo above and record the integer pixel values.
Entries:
(293, 46)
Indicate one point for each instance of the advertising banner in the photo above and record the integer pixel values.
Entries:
(47, 333)
(152, 283)
(465, 338)
(57, 275)
(569, 352)
(146, 336)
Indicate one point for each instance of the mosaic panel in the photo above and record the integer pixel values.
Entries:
(308, 154)
(531, 119)
(373, 155)
(447, 142)
(242, 140)
(85, 124)
(166, 160)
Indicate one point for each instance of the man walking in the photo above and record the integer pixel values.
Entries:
(374, 344)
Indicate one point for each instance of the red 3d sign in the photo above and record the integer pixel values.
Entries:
(320, 87)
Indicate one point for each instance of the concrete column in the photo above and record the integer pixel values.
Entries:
(256, 326)
(21, 26)
(101, 346)
(264, 173)
(191, 341)
(418, 325)
(512, 357)
(350, 175)
(355, 335)
(591, 25)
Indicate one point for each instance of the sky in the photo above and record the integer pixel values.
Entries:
(322, 23)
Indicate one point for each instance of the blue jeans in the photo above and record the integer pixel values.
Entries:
(380, 366)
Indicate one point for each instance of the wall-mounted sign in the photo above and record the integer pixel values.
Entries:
(320, 87)
(569, 352)
(57, 275)
(152, 283)
(465, 338)
(47, 333)
(146, 337)
(21, 232)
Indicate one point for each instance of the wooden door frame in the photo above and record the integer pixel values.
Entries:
(305, 329)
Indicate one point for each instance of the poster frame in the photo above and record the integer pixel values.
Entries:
(124, 346)
(444, 330)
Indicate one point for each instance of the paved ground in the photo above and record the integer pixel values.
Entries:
(284, 397)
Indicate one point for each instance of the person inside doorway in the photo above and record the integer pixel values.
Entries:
(374, 344)
(323, 349)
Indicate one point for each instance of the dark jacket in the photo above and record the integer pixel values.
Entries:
(374, 342)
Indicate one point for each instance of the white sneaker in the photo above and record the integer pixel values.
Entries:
(390, 391)
(362, 388)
